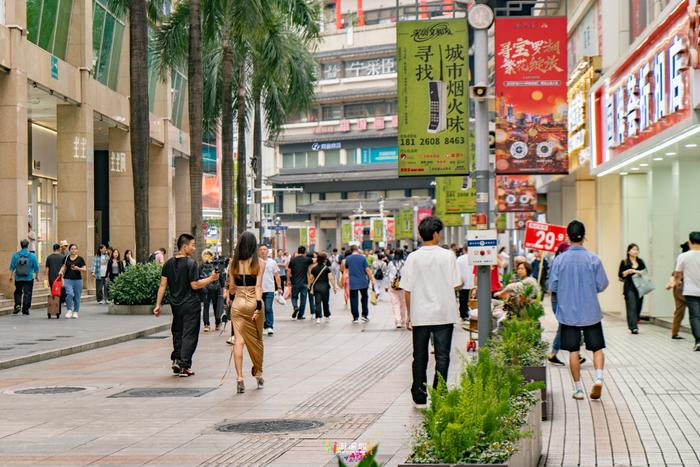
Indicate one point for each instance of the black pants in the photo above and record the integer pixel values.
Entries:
(101, 286)
(185, 331)
(442, 340)
(299, 295)
(23, 296)
(354, 305)
(633, 305)
(322, 297)
(694, 312)
(213, 298)
(464, 303)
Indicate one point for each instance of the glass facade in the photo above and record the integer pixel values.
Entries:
(107, 41)
(209, 154)
(179, 86)
(48, 23)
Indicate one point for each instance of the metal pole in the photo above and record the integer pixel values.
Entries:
(483, 188)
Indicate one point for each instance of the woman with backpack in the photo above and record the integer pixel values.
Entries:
(380, 276)
(398, 301)
(211, 294)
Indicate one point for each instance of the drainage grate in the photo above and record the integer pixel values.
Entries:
(163, 392)
(154, 337)
(50, 390)
(270, 426)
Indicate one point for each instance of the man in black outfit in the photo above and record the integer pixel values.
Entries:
(298, 270)
(54, 262)
(180, 275)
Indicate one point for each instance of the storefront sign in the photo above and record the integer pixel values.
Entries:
(379, 155)
(451, 220)
(378, 230)
(482, 246)
(515, 194)
(390, 230)
(358, 232)
(304, 237)
(531, 101)
(433, 89)
(454, 195)
(422, 214)
(579, 87)
(544, 237)
(520, 219)
(404, 225)
(312, 236)
(648, 94)
(346, 233)
(326, 146)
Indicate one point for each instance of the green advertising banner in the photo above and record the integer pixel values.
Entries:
(451, 220)
(404, 224)
(452, 196)
(304, 236)
(346, 233)
(433, 87)
(378, 229)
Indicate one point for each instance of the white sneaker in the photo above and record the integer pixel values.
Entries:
(328, 319)
(318, 320)
(270, 332)
(231, 340)
(69, 314)
(75, 315)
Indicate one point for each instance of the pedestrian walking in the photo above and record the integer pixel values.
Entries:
(282, 261)
(114, 269)
(211, 294)
(298, 268)
(335, 260)
(577, 278)
(688, 272)
(53, 264)
(271, 281)
(99, 272)
(73, 267)
(245, 275)
(129, 259)
(321, 280)
(540, 277)
(380, 277)
(429, 280)
(359, 279)
(181, 276)
(31, 237)
(398, 299)
(64, 247)
(466, 272)
(679, 312)
(630, 267)
(23, 268)
(312, 301)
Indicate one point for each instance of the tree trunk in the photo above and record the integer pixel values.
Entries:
(241, 186)
(139, 123)
(257, 160)
(195, 90)
(227, 204)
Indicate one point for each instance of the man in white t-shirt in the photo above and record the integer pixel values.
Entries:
(466, 272)
(429, 279)
(688, 271)
(271, 276)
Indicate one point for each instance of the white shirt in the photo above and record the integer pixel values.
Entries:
(431, 275)
(466, 272)
(268, 279)
(689, 264)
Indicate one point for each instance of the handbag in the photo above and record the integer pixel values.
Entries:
(311, 287)
(396, 282)
(56, 287)
(643, 283)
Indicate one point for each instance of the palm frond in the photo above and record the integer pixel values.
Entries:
(171, 41)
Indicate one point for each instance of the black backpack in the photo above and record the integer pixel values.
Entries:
(206, 270)
(22, 267)
(152, 258)
(379, 274)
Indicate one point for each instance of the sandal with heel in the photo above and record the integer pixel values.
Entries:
(240, 387)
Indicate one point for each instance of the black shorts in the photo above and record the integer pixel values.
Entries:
(592, 336)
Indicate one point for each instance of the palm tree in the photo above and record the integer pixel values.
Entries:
(140, 12)
(195, 90)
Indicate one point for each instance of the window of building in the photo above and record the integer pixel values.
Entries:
(209, 154)
(370, 67)
(376, 194)
(643, 13)
(352, 156)
(303, 117)
(332, 112)
(288, 160)
(152, 74)
(289, 202)
(355, 195)
(394, 194)
(420, 192)
(179, 86)
(332, 157)
(334, 196)
(303, 199)
(107, 39)
(315, 197)
(330, 70)
(312, 159)
(48, 23)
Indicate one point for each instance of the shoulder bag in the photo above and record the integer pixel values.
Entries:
(643, 283)
(311, 287)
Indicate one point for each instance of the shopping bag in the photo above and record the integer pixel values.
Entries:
(643, 283)
(280, 299)
(56, 287)
(287, 292)
(373, 297)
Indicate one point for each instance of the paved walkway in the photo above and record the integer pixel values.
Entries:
(352, 378)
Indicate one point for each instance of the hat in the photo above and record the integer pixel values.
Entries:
(576, 231)
(64, 243)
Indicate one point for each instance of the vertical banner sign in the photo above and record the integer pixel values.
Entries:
(378, 230)
(452, 196)
(312, 236)
(346, 233)
(515, 194)
(304, 237)
(404, 227)
(423, 213)
(357, 232)
(390, 230)
(531, 95)
(433, 88)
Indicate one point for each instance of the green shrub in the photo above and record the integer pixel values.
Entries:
(137, 285)
(521, 343)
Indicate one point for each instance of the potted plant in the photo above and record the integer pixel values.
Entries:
(134, 291)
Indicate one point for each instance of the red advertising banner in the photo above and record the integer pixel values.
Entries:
(515, 194)
(423, 213)
(531, 96)
(312, 235)
(544, 237)
(390, 230)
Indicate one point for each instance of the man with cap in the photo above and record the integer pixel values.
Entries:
(577, 278)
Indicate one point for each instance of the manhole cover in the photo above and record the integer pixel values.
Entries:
(154, 337)
(163, 392)
(50, 390)
(270, 426)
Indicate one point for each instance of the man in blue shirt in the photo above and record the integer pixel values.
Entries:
(577, 277)
(360, 276)
(23, 267)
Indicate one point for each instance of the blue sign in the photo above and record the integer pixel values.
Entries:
(378, 155)
(54, 67)
(326, 146)
(279, 228)
(481, 243)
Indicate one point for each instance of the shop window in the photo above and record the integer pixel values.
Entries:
(332, 112)
(334, 196)
(48, 24)
(107, 40)
(352, 156)
(376, 194)
(315, 197)
(332, 157)
(370, 67)
(312, 159)
(420, 192)
(288, 160)
(209, 157)
(394, 194)
(289, 202)
(355, 195)
(330, 70)
(303, 199)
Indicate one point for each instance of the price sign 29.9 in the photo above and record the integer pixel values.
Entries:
(544, 237)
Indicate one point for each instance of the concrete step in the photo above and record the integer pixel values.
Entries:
(39, 303)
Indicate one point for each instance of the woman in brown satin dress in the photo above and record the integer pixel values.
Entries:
(244, 287)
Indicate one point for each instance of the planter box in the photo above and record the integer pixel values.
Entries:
(527, 452)
(136, 309)
(538, 373)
